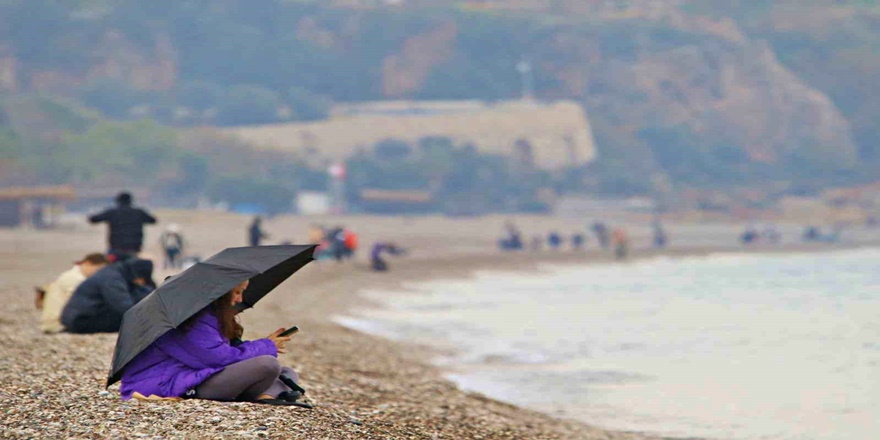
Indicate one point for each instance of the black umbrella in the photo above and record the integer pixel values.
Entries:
(185, 294)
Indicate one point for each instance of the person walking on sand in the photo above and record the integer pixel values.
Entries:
(255, 232)
(198, 360)
(172, 244)
(97, 305)
(125, 236)
(59, 292)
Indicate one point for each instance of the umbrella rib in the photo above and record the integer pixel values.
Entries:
(164, 307)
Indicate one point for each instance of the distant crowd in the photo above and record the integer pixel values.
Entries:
(607, 238)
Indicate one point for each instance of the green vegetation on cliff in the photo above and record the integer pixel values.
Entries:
(716, 93)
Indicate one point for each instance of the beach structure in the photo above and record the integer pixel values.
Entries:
(35, 206)
(552, 136)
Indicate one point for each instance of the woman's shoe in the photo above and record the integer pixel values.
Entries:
(290, 396)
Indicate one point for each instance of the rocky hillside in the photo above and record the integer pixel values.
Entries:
(703, 92)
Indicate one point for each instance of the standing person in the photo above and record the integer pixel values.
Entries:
(660, 237)
(750, 235)
(60, 291)
(601, 232)
(172, 244)
(554, 240)
(513, 240)
(97, 305)
(337, 242)
(577, 241)
(255, 232)
(198, 360)
(350, 242)
(126, 227)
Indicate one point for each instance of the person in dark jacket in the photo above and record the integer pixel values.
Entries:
(98, 304)
(255, 232)
(126, 227)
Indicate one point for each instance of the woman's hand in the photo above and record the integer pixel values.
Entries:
(279, 341)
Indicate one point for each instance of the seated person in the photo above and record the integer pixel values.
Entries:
(98, 304)
(197, 360)
(59, 292)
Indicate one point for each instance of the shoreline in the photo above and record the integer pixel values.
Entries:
(363, 385)
(458, 267)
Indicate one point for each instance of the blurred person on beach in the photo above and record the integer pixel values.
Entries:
(172, 243)
(554, 240)
(98, 303)
(811, 233)
(255, 232)
(125, 235)
(377, 263)
(513, 239)
(661, 239)
(620, 241)
(59, 291)
(336, 243)
(601, 232)
(349, 242)
(204, 358)
(750, 235)
(577, 241)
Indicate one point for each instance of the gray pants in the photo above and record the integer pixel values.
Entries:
(246, 380)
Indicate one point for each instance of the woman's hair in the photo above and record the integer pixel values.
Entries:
(225, 313)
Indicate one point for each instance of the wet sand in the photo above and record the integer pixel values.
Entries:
(363, 386)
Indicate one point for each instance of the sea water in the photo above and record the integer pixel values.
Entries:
(730, 346)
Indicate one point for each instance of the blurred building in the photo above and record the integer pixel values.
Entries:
(37, 206)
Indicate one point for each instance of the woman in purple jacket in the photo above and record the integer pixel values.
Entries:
(196, 360)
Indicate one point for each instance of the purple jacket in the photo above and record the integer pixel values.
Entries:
(183, 358)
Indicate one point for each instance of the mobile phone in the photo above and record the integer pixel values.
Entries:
(289, 331)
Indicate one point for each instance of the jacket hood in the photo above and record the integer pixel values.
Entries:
(137, 268)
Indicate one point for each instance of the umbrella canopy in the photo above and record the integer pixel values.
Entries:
(185, 294)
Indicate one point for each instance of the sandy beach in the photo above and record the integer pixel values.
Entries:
(363, 386)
